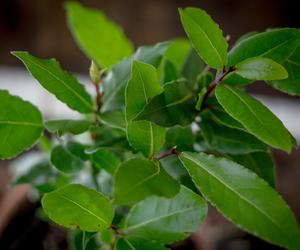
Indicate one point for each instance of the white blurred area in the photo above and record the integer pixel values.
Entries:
(18, 82)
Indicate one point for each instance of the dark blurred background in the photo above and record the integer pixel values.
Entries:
(39, 26)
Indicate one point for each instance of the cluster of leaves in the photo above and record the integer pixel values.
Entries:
(170, 129)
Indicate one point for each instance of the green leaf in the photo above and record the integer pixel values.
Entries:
(114, 119)
(76, 206)
(117, 78)
(255, 117)
(65, 161)
(142, 86)
(62, 127)
(243, 198)
(206, 36)
(167, 220)
(170, 73)
(101, 39)
(291, 85)
(21, 125)
(229, 141)
(146, 137)
(147, 180)
(77, 149)
(260, 163)
(259, 68)
(182, 137)
(103, 158)
(174, 106)
(52, 77)
(192, 67)
(221, 117)
(200, 99)
(137, 244)
(276, 44)
(245, 36)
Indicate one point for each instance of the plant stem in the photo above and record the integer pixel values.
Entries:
(217, 81)
(171, 151)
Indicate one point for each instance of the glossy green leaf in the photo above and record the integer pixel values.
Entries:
(255, 117)
(167, 220)
(146, 137)
(62, 127)
(260, 163)
(103, 158)
(146, 181)
(65, 161)
(137, 244)
(229, 141)
(245, 36)
(174, 106)
(206, 36)
(243, 198)
(117, 78)
(76, 206)
(170, 73)
(200, 99)
(291, 85)
(101, 39)
(52, 77)
(259, 68)
(115, 119)
(142, 86)
(21, 125)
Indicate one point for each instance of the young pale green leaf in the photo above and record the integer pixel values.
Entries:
(64, 86)
(167, 220)
(229, 141)
(142, 86)
(260, 163)
(65, 161)
(114, 119)
(137, 244)
(243, 198)
(291, 85)
(206, 36)
(21, 125)
(276, 44)
(103, 158)
(259, 68)
(255, 117)
(115, 82)
(146, 137)
(62, 127)
(76, 206)
(101, 39)
(174, 106)
(146, 181)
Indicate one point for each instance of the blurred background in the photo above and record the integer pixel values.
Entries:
(39, 26)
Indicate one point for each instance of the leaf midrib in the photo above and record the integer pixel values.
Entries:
(21, 123)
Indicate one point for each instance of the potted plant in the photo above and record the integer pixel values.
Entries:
(168, 130)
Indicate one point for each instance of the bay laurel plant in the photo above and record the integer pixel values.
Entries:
(168, 130)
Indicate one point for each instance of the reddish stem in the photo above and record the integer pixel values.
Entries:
(171, 151)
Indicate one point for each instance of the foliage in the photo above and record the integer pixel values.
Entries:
(159, 118)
